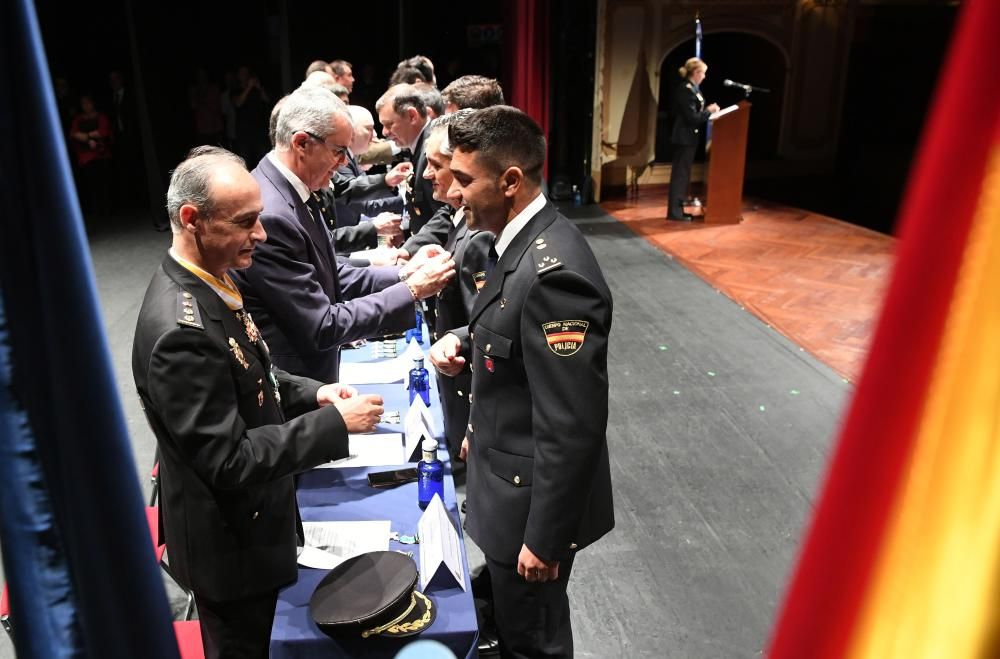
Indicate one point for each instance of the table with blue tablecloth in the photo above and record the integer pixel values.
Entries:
(344, 495)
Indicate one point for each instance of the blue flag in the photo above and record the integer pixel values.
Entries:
(78, 558)
(697, 37)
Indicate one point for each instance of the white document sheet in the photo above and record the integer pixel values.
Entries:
(376, 450)
(723, 112)
(342, 540)
(440, 548)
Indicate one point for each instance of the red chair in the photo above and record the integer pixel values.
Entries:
(153, 519)
(188, 633)
(5, 612)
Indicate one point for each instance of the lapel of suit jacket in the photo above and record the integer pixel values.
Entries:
(352, 162)
(511, 258)
(317, 232)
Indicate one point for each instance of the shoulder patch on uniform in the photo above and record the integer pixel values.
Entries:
(545, 260)
(187, 311)
(565, 337)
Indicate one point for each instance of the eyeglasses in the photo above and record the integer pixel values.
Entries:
(337, 151)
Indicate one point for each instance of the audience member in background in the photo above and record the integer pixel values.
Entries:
(343, 74)
(423, 64)
(229, 92)
(252, 107)
(317, 65)
(472, 91)
(90, 132)
(127, 166)
(318, 79)
(205, 100)
(406, 75)
(305, 300)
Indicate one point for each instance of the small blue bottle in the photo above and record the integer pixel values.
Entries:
(417, 331)
(430, 475)
(420, 384)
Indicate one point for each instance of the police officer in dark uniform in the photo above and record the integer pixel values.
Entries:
(468, 248)
(231, 430)
(690, 116)
(539, 482)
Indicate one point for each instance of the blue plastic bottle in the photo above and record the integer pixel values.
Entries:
(430, 475)
(420, 382)
(417, 331)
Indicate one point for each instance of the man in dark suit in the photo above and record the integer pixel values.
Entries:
(539, 482)
(467, 92)
(360, 195)
(403, 115)
(306, 301)
(230, 429)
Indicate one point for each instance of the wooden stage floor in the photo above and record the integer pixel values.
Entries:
(817, 280)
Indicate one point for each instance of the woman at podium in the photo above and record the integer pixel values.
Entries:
(690, 116)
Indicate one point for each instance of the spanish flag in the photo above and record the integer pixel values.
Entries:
(902, 559)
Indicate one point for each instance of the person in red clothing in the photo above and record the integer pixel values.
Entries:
(90, 135)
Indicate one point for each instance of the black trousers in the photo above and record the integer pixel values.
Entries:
(532, 619)
(680, 178)
(240, 629)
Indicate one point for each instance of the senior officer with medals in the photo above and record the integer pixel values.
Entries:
(231, 430)
(539, 482)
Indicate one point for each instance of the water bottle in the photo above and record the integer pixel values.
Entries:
(577, 197)
(420, 384)
(417, 331)
(430, 474)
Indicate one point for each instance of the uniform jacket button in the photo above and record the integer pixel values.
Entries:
(460, 392)
(256, 514)
(572, 545)
(517, 479)
(489, 346)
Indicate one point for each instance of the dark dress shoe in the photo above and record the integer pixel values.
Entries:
(683, 218)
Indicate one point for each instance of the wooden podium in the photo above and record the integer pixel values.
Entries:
(726, 164)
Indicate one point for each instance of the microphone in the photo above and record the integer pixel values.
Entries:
(746, 88)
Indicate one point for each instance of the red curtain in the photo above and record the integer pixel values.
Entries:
(526, 48)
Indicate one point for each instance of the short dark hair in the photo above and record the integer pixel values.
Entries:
(317, 65)
(473, 92)
(421, 63)
(406, 75)
(403, 96)
(340, 66)
(504, 137)
(431, 97)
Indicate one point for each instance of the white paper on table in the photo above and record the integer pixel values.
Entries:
(439, 545)
(383, 372)
(375, 450)
(415, 430)
(343, 540)
(723, 112)
(317, 558)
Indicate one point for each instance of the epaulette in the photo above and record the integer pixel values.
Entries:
(187, 311)
(689, 86)
(545, 261)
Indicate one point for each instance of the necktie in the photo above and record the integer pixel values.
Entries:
(312, 203)
(491, 261)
